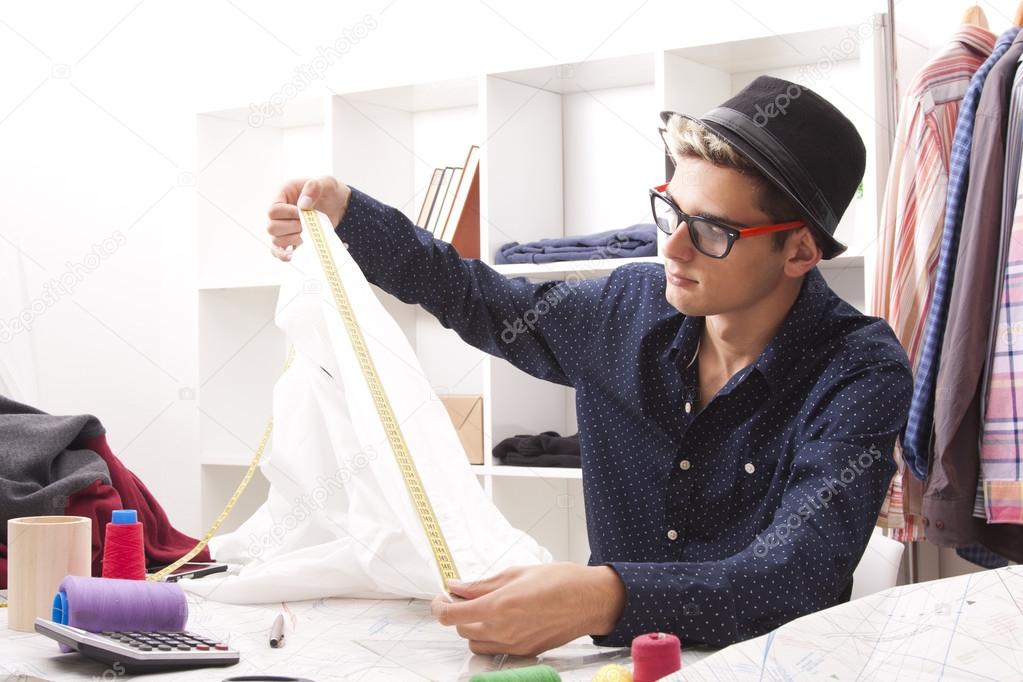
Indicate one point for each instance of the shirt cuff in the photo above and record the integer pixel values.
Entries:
(359, 206)
(648, 605)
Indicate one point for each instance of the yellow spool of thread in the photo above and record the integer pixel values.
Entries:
(612, 672)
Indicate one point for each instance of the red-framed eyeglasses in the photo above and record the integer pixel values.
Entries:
(711, 237)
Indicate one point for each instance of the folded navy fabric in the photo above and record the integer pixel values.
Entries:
(631, 242)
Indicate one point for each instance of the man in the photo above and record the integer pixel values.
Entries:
(736, 418)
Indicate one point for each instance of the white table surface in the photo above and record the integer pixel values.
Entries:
(964, 628)
(327, 639)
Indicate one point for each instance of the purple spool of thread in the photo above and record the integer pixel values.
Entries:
(98, 604)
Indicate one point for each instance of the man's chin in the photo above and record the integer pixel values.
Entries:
(683, 303)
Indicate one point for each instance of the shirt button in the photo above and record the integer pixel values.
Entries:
(689, 407)
(673, 534)
(684, 465)
(939, 524)
(749, 468)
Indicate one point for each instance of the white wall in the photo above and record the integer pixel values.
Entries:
(97, 143)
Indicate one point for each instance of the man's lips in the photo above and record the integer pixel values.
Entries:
(679, 280)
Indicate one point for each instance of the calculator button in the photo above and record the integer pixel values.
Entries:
(145, 647)
(134, 643)
(184, 647)
(202, 647)
(163, 647)
(220, 647)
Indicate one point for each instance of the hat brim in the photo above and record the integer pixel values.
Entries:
(830, 246)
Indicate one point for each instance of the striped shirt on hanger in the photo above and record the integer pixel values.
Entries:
(1001, 451)
(1010, 204)
(950, 489)
(917, 439)
(914, 211)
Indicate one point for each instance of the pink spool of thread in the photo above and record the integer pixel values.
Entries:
(655, 655)
(124, 553)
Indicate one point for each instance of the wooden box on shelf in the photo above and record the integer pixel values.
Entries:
(466, 412)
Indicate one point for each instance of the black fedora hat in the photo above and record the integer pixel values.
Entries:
(800, 142)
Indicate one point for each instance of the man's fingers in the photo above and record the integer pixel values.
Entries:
(284, 242)
(458, 613)
(282, 228)
(282, 254)
(310, 194)
(478, 588)
(289, 192)
(478, 632)
(485, 648)
(282, 211)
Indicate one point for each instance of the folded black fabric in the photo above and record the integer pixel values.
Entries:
(548, 449)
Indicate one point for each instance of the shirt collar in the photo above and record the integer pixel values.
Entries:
(798, 330)
(976, 38)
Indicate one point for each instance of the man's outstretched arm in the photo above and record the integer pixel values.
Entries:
(541, 328)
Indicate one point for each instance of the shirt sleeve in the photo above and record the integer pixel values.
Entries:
(803, 561)
(541, 328)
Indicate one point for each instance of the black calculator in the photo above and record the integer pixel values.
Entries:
(141, 652)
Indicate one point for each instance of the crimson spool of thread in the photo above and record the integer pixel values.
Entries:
(655, 655)
(124, 553)
(98, 604)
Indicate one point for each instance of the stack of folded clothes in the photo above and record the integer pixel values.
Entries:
(549, 449)
(632, 242)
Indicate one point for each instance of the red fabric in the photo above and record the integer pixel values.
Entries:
(95, 501)
(164, 543)
(98, 500)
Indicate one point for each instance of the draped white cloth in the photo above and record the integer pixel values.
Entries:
(339, 520)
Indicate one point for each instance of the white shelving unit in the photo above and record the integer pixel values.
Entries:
(565, 149)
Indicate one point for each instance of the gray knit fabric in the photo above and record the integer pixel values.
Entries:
(42, 462)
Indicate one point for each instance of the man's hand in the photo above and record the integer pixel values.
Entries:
(530, 609)
(326, 194)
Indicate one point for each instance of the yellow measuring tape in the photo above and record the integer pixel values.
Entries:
(190, 554)
(409, 473)
(395, 437)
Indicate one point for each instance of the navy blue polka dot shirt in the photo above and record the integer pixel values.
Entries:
(723, 522)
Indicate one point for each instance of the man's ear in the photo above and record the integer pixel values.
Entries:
(802, 253)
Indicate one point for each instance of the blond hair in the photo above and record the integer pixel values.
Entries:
(686, 138)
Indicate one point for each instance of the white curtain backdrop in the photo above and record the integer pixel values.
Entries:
(17, 354)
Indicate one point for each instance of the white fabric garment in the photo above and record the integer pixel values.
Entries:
(339, 520)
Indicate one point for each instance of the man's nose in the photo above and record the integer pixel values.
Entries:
(679, 245)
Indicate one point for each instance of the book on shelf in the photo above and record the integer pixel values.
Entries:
(431, 195)
(451, 207)
(449, 200)
(464, 215)
(434, 224)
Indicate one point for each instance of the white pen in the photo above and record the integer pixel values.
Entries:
(277, 632)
